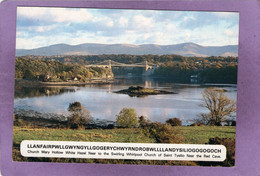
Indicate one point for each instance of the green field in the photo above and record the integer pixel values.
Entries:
(192, 135)
(202, 134)
(94, 135)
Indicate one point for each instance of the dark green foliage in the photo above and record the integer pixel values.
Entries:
(197, 124)
(223, 74)
(139, 91)
(30, 91)
(233, 123)
(143, 122)
(19, 121)
(174, 122)
(178, 71)
(127, 118)
(110, 126)
(28, 74)
(75, 107)
(79, 116)
(177, 68)
(208, 69)
(163, 133)
(45, 70)
(230, 145)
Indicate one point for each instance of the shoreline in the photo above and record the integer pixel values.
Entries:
(29, 83)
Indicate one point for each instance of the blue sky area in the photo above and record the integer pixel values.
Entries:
(40, 26)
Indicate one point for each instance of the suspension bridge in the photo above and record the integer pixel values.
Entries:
(149, 67)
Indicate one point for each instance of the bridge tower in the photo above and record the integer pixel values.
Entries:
(149, 69)
(109, 64)
(146, 66)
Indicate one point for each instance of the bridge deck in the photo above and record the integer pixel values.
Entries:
(127, 65)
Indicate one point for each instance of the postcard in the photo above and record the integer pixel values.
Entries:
(123, 77)
(128, 86)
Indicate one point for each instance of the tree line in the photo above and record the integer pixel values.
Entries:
(204, 71)
(56, 71)
(129, 59)
(178, 68)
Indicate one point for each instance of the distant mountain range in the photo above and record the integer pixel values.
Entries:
(184, 49)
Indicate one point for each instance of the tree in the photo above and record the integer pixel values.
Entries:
(143, 121)
(219, 105)
(174, 122)
(127, 118)
(28, 74)
(79, 116)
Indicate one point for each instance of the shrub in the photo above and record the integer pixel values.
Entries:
(110, 126)
(163, 133)
(230, 145)
(18, 121)
(234, 123)
(79, 116)
(127, 118)
(143, 122)
(174, 122)
(197, 124)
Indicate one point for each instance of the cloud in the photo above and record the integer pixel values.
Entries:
(189, 18)
(140, 22)
(71, 15)
(110, 23)
(123, 22)
(45, 28)
(42, 26)
(32, 12)
(55, 14)
(25, 43)
(230, 33)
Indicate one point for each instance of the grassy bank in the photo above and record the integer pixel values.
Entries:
(95, 135)
(202, 134)
(192, 135)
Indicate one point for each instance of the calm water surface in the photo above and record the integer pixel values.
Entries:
(104, 104)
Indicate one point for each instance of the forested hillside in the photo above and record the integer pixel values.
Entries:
(179, 68)
(56, 71)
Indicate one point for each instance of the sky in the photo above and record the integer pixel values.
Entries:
(43, 26)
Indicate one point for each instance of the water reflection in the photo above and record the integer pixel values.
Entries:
(104, 104)
(26, 92)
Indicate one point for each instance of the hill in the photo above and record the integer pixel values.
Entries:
(184, 49)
